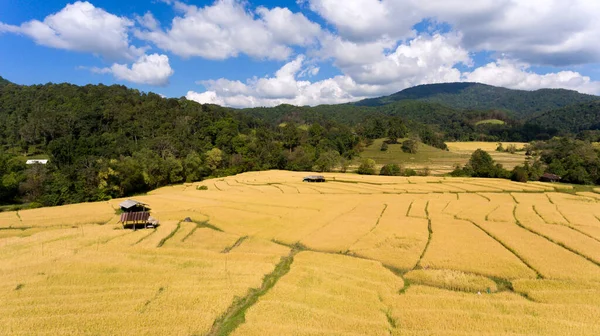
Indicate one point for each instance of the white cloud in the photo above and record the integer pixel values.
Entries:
(149, 69)
(363, 20)
(426, 59)
(511, 74)
(284, 87)
(552, 32)
(148, 21)
(287, 27)
(81, 27)
(227, 29)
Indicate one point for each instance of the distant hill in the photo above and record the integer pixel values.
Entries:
(574, 118)
(4, 81)
(486, 97)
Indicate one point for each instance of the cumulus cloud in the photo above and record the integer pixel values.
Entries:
(425, 59)
(227, 29)
(148, 69)
(284, 87)
(81, 27)
(552, 32)
(514, 75)
(362, 20)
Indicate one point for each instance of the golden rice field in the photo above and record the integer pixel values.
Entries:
(267, 254)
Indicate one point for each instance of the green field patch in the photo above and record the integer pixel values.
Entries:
(490, 122)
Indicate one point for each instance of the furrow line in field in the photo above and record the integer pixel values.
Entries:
(539, 275)
(558, 243)
(144, 237)
(429, 237)
(385, 206)
(164, 240)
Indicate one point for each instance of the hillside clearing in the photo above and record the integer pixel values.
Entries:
(439, 161)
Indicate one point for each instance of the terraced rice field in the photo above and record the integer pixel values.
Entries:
(266, 254)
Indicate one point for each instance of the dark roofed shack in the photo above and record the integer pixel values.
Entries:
(135, 213)
(547, 177)
(133, 206)
(314, 178)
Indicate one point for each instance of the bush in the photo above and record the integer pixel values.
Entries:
(384, 147)
(409, 172)
(425, 171)
(391, 170)
(481, 164)
(367, 167)
(410, 146)
(34, 205)
(519, 174)
(512, 149)
(203, 187)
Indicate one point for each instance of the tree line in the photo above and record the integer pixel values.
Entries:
(110, 141)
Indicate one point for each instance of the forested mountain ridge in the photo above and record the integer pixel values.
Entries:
(486, 97)
(110, 141)
(3, 81)
(571, 119)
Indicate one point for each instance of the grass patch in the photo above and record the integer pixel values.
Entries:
(425, 154)
(236, 244)
(169, 236)
(490, 122)
(207, 225)
(236, 314)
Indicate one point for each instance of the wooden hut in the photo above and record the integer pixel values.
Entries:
(135, 213)
(547, 177)
(314, 178)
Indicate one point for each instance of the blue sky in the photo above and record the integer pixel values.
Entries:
(307, 52)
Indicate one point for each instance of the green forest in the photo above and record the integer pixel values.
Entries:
(105, 142)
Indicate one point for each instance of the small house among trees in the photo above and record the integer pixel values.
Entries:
(31, 162)
(547, 177)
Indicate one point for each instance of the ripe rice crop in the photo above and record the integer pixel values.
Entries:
(560, 291)
(68, 215)
(459, 245)
(397, 240)
(209, 239)
(549, 259)
(186, 229)
(341, 248)
(326, 293)
(10, 220)
(452, 280)
(346, 230)
(472, 146)
(560, 234)
(164, 231)
(428, 311)
(118, 289)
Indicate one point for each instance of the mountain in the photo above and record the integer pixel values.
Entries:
(574, 118)
(486, 97)
(4, 81)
